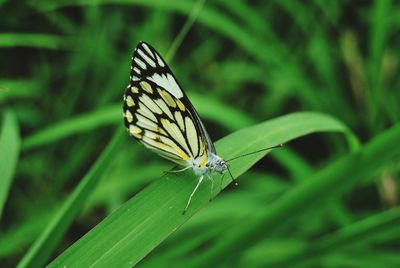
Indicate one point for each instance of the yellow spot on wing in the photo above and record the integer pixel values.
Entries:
(146, 86)
(167, 98)
(129, 101)
(202, 160)
(128, 116)
(134, 90)
(180, 105)
(183, 155)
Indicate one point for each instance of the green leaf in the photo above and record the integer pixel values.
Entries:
(17, 89)
(363, 232)
(330, 182)
(22, 234)
(37, 40)
(73, 125)
(131, 232)
(9, 151)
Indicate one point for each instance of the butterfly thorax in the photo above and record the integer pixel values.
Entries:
(214, 164)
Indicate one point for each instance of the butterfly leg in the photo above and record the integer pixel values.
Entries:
(222, 180)
(191, 195)
(212, 186)
(179, 170)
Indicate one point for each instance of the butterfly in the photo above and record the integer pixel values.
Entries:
(159, 115)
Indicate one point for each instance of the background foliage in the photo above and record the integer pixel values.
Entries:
(324, 200)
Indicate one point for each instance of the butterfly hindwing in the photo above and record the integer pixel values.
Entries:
(162, 123)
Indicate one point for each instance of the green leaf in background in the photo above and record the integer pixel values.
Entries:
(18, 89)
(37, 40)
(47, 241)
(130, 233)
(216, 111)
(73, 125)
(22, 234)
(9, 152)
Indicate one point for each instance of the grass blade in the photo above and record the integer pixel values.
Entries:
(73, 125)
(37, 40)
(43, 247)
(131, 232)
(9, 151)
(324, 185)
(361, 232)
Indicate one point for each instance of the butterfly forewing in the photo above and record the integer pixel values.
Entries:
(158, 113)
(147, 64)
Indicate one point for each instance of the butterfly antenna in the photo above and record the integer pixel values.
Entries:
(258, 151)
(222, 180)
(233, 179)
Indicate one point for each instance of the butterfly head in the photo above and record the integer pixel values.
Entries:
(216, 164)
(213, 164)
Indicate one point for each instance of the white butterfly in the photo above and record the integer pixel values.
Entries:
(158, 114)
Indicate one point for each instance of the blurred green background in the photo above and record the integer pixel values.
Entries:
(65, 65)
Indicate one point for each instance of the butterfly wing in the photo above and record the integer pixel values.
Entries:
(148, 64)
(158, 113)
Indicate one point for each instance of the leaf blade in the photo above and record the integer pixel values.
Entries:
(9, 152)
(130, 233)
